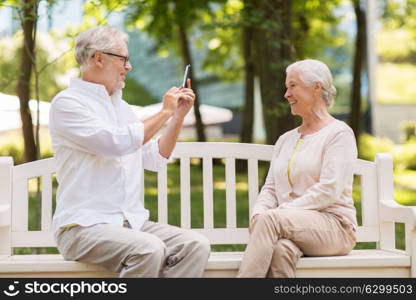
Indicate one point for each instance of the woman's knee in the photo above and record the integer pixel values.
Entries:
(263, 218)
(269, 217)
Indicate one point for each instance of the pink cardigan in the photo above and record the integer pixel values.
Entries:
(321, 173)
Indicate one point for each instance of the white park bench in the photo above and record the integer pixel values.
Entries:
(379, 215)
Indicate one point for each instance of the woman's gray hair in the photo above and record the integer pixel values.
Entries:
(101, 38)
(312, 71)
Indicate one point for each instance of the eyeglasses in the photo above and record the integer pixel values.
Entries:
(126, 58)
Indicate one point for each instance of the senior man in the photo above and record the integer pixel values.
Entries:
(101, 148)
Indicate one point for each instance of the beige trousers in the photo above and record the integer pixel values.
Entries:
(157, 250)
(281, 236)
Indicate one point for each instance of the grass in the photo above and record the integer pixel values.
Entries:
(403, 194)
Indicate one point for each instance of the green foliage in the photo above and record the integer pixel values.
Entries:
(96, 12)
(48, 48)
(405, 196)
(395, 83)
(315, 34)
(396, 40)
(221, 36)
(399, 13)
(11, 144)
(14, 150)
(396, 46)
(315, 28)
(409, 130)
(370, 145)
(406, 179)
(161, 18)
(314, 25)
(136, 94)
(405, 155)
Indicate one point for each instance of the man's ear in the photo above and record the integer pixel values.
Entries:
(97, 60)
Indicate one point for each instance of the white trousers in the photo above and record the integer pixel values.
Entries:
(157, 250)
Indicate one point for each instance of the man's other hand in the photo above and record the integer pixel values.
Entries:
(186, 100)
(171, 100)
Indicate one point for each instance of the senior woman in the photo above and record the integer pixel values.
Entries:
(305, 206)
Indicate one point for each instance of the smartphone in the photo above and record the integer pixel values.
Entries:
(186, 75)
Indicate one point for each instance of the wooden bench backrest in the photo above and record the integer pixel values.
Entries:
(229, 152)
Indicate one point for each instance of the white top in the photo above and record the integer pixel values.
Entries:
(99, 157)
(321, 173)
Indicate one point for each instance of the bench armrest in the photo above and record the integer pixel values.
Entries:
(392, 211)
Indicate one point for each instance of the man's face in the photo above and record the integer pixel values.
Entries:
(116, 66)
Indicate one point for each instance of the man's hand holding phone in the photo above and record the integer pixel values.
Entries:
(179, 101)
(187, 99)
(186, 76)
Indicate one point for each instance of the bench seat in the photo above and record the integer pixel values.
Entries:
(359, 263)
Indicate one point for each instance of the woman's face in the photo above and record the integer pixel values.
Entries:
(301, 97)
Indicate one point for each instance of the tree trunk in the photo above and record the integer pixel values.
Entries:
(247, 120)
(273, 54)
(23, 85)
(187, 59)
(359, 57)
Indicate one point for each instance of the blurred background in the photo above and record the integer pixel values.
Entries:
(238, 50)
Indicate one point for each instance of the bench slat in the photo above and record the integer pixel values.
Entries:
(369, 204)
(20, 205)
(224, 236)
(253, 182)
(46, 217)
(33, 239)
(221, 150)
(230, 192)
(34, 169)
(208, 197)
(368, 234)
(185, 193)
(162, 195)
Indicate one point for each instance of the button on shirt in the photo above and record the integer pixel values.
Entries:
(99, 157)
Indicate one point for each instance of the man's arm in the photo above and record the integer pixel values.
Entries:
(76, 126)
(156, 122)
(167, 141)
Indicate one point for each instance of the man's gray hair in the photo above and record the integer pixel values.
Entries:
(101, 38)
(312, 71)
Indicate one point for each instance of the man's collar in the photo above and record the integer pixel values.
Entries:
(96, 89)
